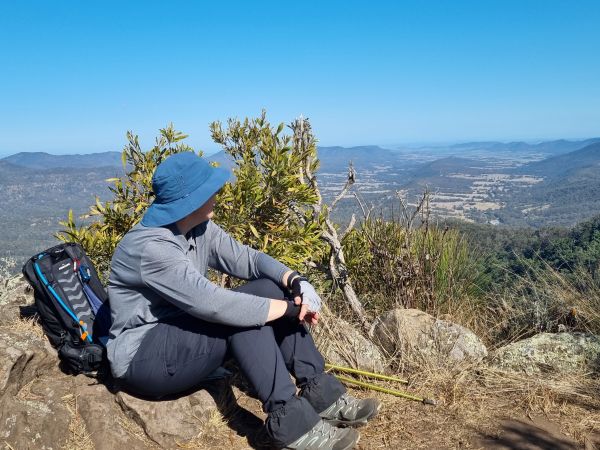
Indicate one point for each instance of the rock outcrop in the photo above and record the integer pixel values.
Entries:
(550, 353)
(419, 335)
(342, 344)
(41, 407)
(15, 294)
(169, 422)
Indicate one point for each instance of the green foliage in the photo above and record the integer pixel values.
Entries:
(425, 267)
(131, 196)
(513, 253)
(268, 205)
(538, 280)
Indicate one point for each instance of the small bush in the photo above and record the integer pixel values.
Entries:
(261, 208)
(425, 267)
(267, 207)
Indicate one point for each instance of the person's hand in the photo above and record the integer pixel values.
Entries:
(303, 308)
(303, 292)
(305, 315)
(311, 318)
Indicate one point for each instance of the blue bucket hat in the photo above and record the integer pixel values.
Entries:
(182, 183)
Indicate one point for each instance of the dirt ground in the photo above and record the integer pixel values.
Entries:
(472, 413)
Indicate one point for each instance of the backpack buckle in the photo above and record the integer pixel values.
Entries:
(85, 273)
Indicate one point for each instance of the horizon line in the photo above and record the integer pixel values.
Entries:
(397, 146)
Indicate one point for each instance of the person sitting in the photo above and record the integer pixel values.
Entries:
(172, 327)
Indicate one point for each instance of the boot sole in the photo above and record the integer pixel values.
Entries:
(348, 447)
(352, 444)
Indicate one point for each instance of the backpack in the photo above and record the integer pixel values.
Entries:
(72, 305)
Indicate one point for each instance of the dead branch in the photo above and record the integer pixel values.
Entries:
(304, 139)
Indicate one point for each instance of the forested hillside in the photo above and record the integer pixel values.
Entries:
(34, 201)
(478, 182)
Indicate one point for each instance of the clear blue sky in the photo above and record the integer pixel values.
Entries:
(75, 75)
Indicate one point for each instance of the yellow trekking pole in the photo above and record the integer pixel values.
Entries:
(374, 387)
(364, 373)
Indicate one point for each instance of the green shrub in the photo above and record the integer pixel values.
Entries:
(424, 267)
(262, 208)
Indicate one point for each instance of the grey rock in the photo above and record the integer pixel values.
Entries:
(104, 420)
(437, 342)
(550, 353)
(169, 422)
(23, 356)
(14, 293)
(37, 417)
(342, 344)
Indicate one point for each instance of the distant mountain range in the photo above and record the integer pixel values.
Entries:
(555, 182)
(41, 160)
(558, 166)
(331, 158)
(548, 147)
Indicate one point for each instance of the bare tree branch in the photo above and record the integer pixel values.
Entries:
(349, 182)
(337, 263)
(349, 227)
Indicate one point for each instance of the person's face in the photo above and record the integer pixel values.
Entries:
(205, 212)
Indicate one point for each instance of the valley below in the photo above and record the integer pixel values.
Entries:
(554, 183)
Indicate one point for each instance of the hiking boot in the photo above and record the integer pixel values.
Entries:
(324, 436)
(349, 411)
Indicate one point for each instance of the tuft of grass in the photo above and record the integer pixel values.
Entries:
(214, 433)
(407, 261)
(543, 300)
(26, 326)
(79, 438)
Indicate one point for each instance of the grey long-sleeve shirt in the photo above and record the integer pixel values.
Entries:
(157, 274)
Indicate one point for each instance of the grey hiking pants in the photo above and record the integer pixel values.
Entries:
(175, 356)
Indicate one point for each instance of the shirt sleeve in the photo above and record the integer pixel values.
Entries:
(166, 269)
(233, 258)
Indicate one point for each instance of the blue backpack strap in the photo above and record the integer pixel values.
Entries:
(85, 336)
(102, 320)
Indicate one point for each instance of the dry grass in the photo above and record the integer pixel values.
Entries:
(542, 300)
(214, 433)
(132, 428)
(79, 438)
(472, 402)
(26, 326)
(331, 338)
(26, 394)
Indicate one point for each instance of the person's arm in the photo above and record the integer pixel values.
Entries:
(230, 256)
(277, 309)
(241, 261)
(166, 269)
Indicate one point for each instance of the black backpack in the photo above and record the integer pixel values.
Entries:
(72, 306)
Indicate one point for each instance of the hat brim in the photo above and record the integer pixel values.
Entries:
(159, 214)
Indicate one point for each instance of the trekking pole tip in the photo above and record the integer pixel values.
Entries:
(429, 401)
